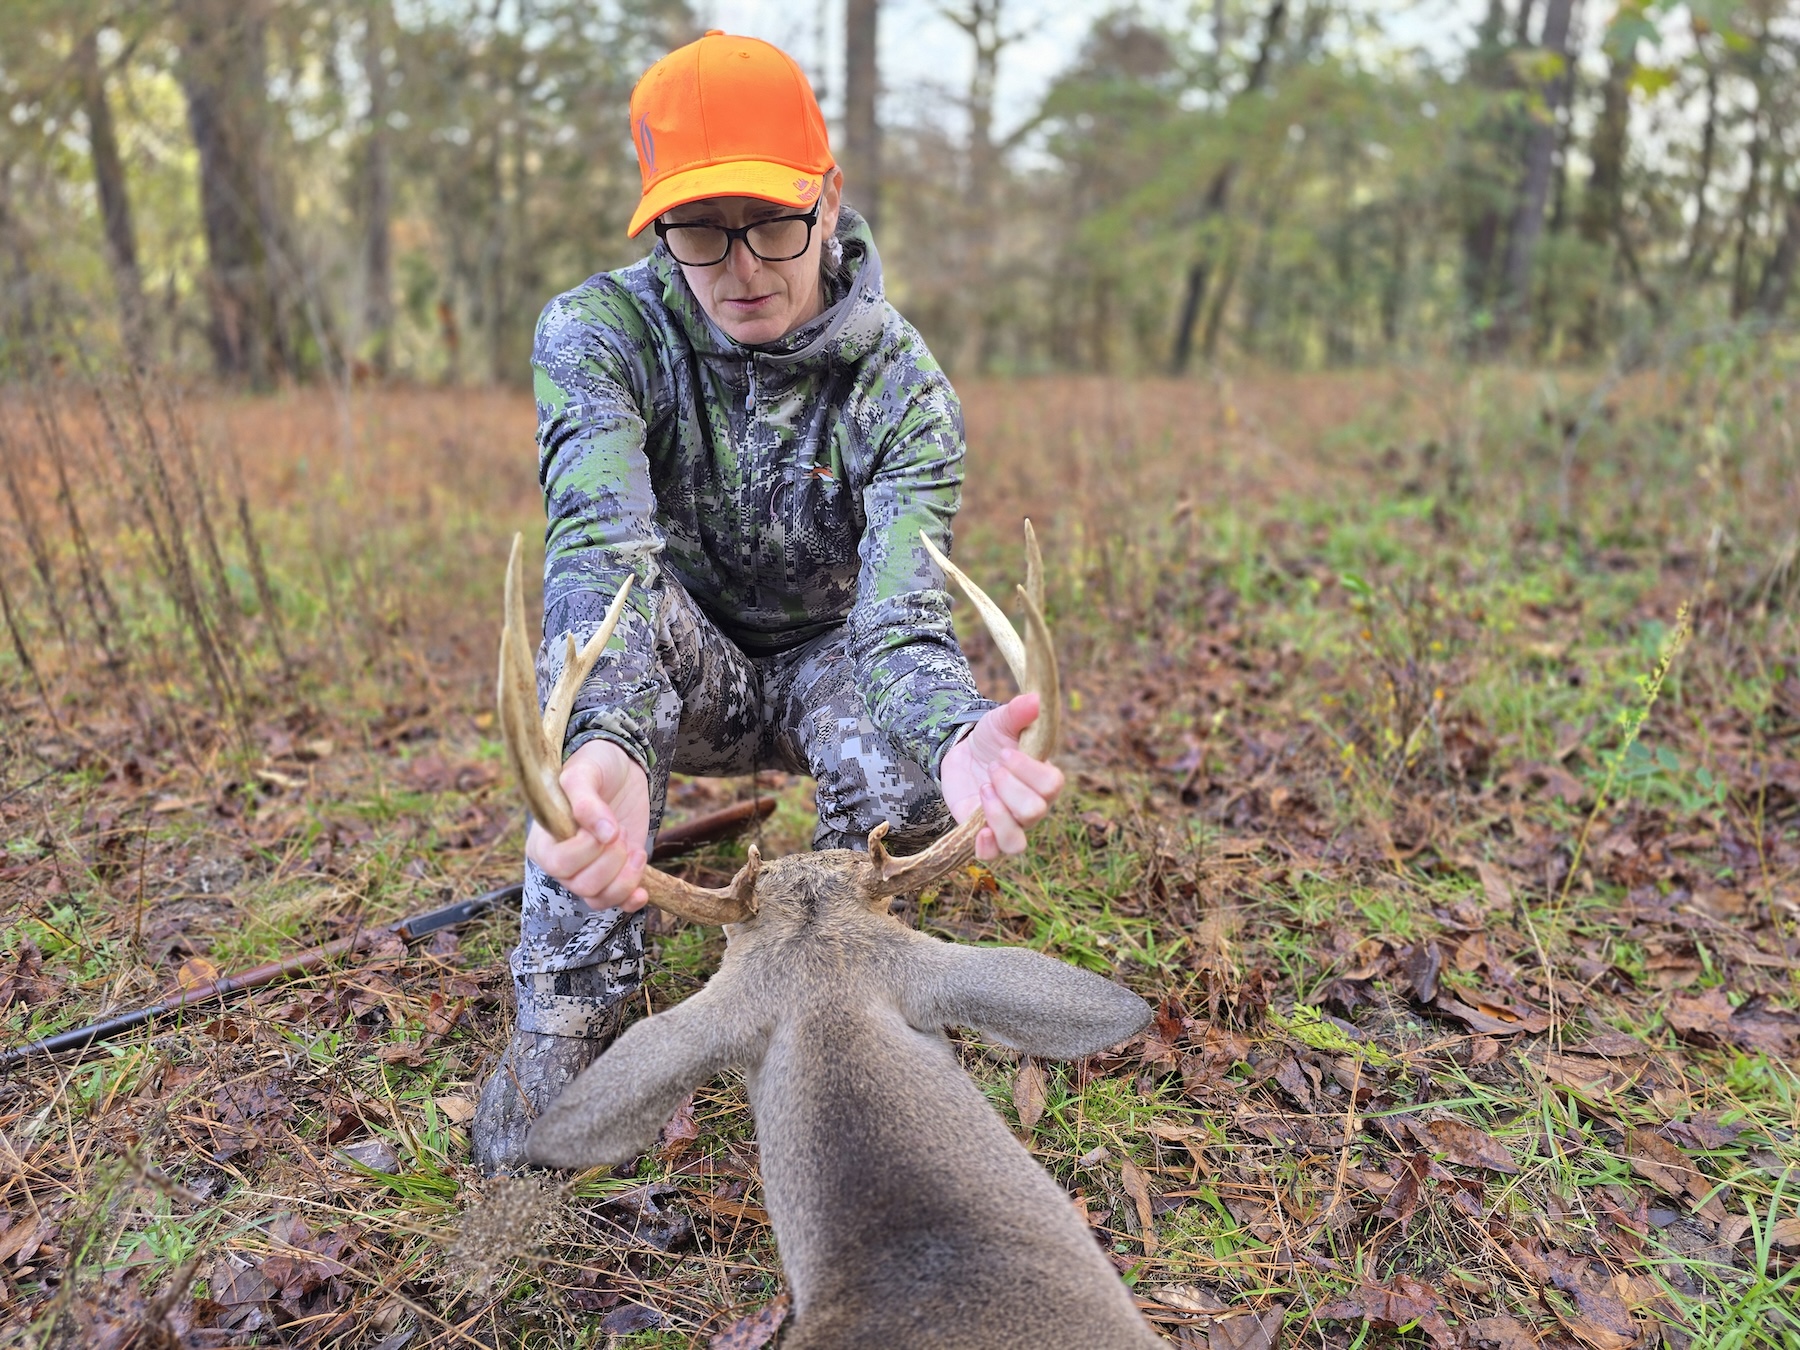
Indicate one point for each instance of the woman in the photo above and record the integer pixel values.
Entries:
(742, 424)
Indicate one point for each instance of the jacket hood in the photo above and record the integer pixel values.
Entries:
(849, 328)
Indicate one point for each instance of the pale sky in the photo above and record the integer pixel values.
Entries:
(923, 56)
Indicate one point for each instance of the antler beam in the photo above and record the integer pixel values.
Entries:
(1032, 660)
(534, 749)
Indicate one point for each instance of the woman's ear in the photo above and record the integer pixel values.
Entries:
(830, 198)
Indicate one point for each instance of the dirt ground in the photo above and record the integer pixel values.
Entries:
(1434, 743)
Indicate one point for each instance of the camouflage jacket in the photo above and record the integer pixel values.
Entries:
(784, 486)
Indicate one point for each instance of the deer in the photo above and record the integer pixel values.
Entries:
(906, 1214)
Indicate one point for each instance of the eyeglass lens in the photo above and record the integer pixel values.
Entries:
(772, 241)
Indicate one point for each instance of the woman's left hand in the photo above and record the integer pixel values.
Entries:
(986, 768)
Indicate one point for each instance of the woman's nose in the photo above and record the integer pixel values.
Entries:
(741, 261)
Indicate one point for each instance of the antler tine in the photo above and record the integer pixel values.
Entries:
(536, 764)
(577, 665)
(534, 749)
(1033, 663)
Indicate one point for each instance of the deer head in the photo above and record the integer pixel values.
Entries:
(905, 1212)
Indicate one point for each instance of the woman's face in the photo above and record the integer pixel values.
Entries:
(752, 300)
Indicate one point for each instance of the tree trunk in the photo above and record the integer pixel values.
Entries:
(1604, 199)
(1709, 135)
(862, 130)
(378, 268)
(223, 77)
(1534, 191)
(1218, 197)
(115, 204)
(1778, 277)
(981, 20)
(1748, 205)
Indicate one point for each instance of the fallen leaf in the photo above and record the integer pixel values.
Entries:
(1251, 1331)
(1465, 1145)
(1710, 1019)
(1028, 1094)
(1421, 964)
(1188, 1298)
(1494, 1019)
(1389, 1307)
(458, 1110)
(680, 1130)
(755, 1330)
(1612, 1044)
(1138, 1188)
(1601, 1318)
(1500, 1333)
(738, 1211)
(1494, 888)
(1671, 1171)
(195, 972)
(629, 1318)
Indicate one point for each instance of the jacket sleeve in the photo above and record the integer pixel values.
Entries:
(913, 675)
(599, 513)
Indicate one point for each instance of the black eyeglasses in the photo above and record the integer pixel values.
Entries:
(779, 240)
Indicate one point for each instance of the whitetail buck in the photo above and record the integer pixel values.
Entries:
(906, 1213)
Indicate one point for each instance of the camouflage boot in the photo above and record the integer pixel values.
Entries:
(531, 1074)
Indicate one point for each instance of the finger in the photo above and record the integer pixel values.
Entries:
(1025, 805)
(1041, 777)
(1007, 834)
(591, 811)
(639, 898)
(985, 847)
(561, 859)
(592, 883)
(626, 886)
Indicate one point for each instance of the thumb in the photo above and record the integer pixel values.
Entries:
(1010, 719)
(588, 806)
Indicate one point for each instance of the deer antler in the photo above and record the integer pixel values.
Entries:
(1033, 664)
(534, 749)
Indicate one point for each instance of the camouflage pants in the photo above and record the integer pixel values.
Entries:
(721, 712)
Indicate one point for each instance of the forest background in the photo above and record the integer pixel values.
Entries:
(282, 190)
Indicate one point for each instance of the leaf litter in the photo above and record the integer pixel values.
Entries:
(1417, 1070)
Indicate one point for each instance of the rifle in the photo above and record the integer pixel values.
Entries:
(675, 840)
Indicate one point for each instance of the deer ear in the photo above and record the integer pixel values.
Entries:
(1024, 999)
(613, 1111)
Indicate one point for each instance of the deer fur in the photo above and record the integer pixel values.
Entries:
(906, 1214)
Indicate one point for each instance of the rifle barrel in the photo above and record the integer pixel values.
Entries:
(671, 842)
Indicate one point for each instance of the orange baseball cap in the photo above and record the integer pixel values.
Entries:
(727, 117)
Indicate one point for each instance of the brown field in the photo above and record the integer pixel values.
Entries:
(1474, 937)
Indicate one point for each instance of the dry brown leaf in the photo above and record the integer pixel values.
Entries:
(754, 1331)
(1252, 1331)
(1494, 888)
(1500, 1333)
(1494, 1019)
(1466, 1146)
(1029, 1093)
(1670, 1170)
(1601, 1318)
(195, 972)
(1388, 1307)
(457, 1110)
(1137, 1186)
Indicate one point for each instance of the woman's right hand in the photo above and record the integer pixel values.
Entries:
(603, 861)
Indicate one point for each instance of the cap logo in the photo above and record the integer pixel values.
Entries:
(646, 144)
(805, 187)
